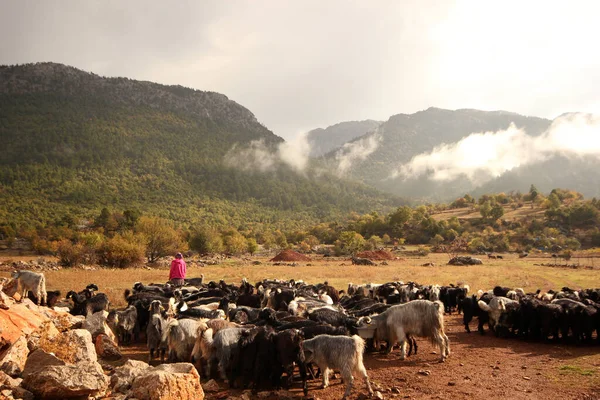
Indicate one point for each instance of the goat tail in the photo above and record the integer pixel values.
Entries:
(126, 293)
(171, 326)
(484, 306)
(359, 346)
(43, 294)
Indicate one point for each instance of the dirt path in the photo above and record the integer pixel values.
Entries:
(480, 367)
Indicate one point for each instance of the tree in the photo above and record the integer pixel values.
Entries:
(252, 245)
(533, 194)
(234, 242)
(160, 236)
(485, 209)
(206, 240)
(496, 212)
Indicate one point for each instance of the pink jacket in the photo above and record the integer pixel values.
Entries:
(178, 269)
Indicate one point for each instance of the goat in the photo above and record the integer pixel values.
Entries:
(337, 352)
(31, 281)
(154, 331)
(126, 324)
(495, 308)
(224, 349)
(421, 318)
(180, 336)
(53, 296)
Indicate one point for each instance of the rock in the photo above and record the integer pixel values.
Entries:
(16, 393)
(396, 390)
(106, 348)
(211, 386)
(96, 325)
(46, 331)
(178, 381)
(68, 381)
(124, 375)
(19, 320)
(7, 380)
(451, 383)
(424, 372)
(39, 360)
(64, 321)
(13, 360)
(527, 378)
(378, 395)
(72, 346)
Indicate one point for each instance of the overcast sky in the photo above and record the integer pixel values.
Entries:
(299, 65)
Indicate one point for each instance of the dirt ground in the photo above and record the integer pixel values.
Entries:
(479, 367)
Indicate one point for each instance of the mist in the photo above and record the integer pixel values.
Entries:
(355, 151)
(483, 156)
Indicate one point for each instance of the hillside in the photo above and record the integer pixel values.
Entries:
(323, 141)
(74, 142)
(404, 136)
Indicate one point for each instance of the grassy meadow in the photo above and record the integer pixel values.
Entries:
(510, 271)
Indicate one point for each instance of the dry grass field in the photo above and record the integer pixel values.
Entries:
(510, 271)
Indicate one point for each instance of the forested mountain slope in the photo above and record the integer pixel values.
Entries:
(74, 142)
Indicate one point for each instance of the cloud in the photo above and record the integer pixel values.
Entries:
(481, 157)
(355, 151)
(259, 157)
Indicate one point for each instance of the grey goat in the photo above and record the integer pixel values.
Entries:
(338, 352)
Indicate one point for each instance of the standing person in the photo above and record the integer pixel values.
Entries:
(178, 270)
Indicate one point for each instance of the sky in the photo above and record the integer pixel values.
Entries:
(299, 65)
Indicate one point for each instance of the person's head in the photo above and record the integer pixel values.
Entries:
(179, 256)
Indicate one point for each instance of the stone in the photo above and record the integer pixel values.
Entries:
(378, 395)
(64, 321)
(68, 381)
(72, 346)
(424, 372)
(121, 379)
(451, 383)
(16, 393)
(211, 386)
(179, 381)
(46, 331)
(19, 320)
(96, 325)
(13, 360)
(7, 380)
(39, 360)
(106, 348)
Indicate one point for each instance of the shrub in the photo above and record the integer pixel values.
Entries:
(122, 251)
(70, 254)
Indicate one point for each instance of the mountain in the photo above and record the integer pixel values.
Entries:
(404, 136)
(323, 141)
(75, 142)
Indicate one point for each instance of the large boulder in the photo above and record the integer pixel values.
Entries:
(47, 331)
(13, 360)
(83, 379)
(96, 325)
(106, 348)
(178, 381)
(39, 360)
(72, 346)
(63, 320)
(121, 379)
(20, 319)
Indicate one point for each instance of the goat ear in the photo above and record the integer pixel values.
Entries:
(183, 307)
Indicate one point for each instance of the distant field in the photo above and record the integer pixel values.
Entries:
(509, 213)
(511, 271)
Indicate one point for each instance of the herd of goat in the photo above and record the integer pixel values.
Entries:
(254, 335)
